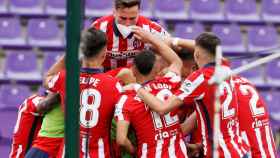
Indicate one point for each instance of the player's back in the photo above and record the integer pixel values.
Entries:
(254, 119)
(229, 127)
(157, 135)
(98, 95)
(196, 88)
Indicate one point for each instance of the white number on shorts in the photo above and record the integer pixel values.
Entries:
(90, 102)
(168, 119)
(245, 90)
(227, 112)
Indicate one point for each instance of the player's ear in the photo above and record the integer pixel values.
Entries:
(102, 54)
(196, 55)
(114, 12)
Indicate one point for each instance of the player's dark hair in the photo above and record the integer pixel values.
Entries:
(185, 54)
(144, 61)
(127, 3)
(208, 41)
(92, 42)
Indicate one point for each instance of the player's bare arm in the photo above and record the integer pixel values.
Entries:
(163, 49)
(189, 124)
(122, 140)
(184, 43)
(59, 65)
(177, 43)
(126, 76)
(48, 103)
(156, 104)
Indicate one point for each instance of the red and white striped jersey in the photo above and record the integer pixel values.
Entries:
(157, 136)
(99, 94)
(254, 120)
(27, 127)
(196, 89)
(120, 50)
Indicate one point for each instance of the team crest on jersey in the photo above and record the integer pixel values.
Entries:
(186, 86)
(118, 111)
(136, 44)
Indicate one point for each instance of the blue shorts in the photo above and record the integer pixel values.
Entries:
(36, 153)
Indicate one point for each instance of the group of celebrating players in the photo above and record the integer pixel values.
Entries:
(145, 94)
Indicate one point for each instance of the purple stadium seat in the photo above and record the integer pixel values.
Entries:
(49, 59)
(41, 90)
(5, 150)
(271, 10)
(273, 76)
(261, 38)
(241, 10)
(3, 6)
(11, 96)
(206, 10)
(272, 99)
(26, 7)
(170, 9)
(98, 8)
(188, 30)
(146, 8)
(231, 37)
(56, 7)
(22, 65)
(11, 32)
(87, 23)
(8, 121)
(254, 75)
(1, 68)
(44, 32)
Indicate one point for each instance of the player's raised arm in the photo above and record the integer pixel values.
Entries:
(163, 49)
(182, 43)
(178, 43)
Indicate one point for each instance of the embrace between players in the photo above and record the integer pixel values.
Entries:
(152, 85)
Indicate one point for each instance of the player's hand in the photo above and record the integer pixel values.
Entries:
(141, 34)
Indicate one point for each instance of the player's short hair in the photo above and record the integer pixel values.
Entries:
(208, 41)
(185, 54)
(144, 61)
(92, 42)
(127, 3)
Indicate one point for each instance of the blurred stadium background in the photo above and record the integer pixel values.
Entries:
(32, 38)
